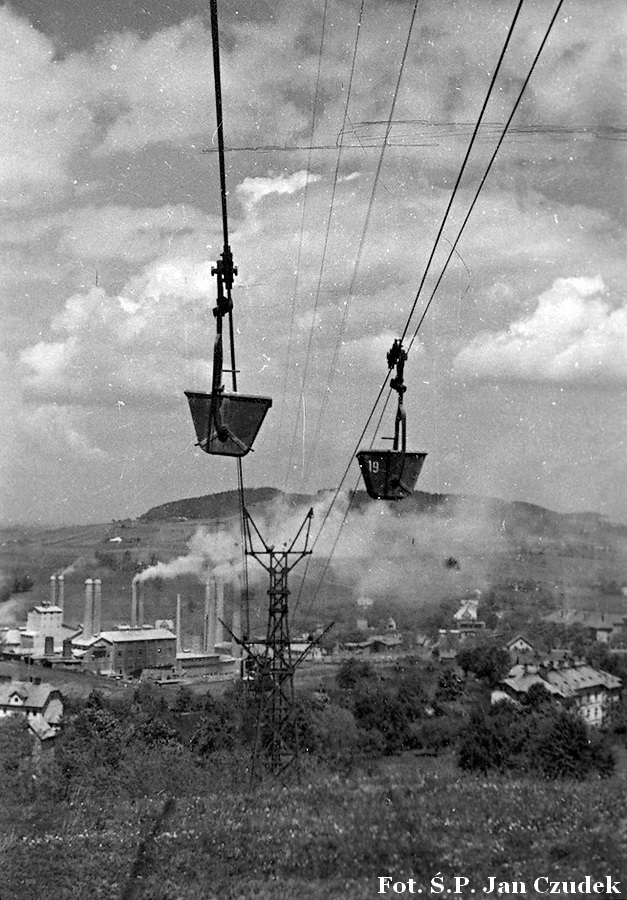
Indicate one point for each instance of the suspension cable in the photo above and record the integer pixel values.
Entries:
(454, 245)
(486, 173)
(464, 163)
(225, 272)
(335, 179)
(302, 238)
(362, 242)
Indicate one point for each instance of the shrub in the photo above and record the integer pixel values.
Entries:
(550, 741)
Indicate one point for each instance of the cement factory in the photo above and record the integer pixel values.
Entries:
(137, 649)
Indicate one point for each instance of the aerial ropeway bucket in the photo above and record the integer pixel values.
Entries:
(392, 474)
(227, 424)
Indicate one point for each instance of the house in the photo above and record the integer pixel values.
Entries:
(591, 690)
(376, 643)
(602, 626)
(40, 703)
(519, 649)
(465, 618)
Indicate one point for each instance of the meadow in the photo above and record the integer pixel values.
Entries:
(328, 837)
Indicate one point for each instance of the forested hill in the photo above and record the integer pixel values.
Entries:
(226, 504)
(513, 515)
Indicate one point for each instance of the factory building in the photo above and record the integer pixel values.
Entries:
(128, 651)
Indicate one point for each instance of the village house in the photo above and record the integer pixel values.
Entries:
(591, 690)
(601, 626)
(41, 704)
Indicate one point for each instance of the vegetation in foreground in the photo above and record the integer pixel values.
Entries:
(150, 801)
(329, 837)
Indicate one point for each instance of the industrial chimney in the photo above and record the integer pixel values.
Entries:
(209, 630)
(134, 584)
(60, 591)
(140, 604)
(179, 639)
(236, 621)
(219, 583)
(88, 617)
(97, 620)
(53, 590)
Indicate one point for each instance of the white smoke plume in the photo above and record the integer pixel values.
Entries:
(216, 554)
(13, 611)
(69, 570)
(375, 552)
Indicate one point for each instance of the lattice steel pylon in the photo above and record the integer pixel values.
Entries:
(276, 739)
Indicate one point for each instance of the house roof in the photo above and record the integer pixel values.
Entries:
(34, 696)
(520, 682)
(572, 679)
(567, 681)
(599, 621)
(514, 640)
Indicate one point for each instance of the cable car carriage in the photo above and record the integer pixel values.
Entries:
(392, 474)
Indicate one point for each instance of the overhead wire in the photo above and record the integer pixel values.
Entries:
(453, 249)
(327, 232)
(362, 242)
(302, 229)
(485, 175)
(228, 281)
(457, 129)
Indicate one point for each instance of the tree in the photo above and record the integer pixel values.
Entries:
(352, 672)
(539, 737)
(488, 663)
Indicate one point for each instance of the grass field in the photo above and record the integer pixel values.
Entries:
(329, 837)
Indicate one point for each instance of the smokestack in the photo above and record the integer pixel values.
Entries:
(97, 623)
(89, 609)
(179, 642)
(134, 603)
(209, 632)
(60, 591)
(53, 590)
(236, 622)
(219, 582)
(140, 604)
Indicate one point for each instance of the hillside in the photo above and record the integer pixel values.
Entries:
(407, 557)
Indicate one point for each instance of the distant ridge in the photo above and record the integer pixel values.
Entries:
(220, 506)
(512, 516)
(226, 504)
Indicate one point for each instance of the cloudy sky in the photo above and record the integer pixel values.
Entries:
(109, 226)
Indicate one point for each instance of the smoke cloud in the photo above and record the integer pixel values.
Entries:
(212, 554)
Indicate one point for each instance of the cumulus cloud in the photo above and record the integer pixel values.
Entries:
(252, 190)
(575, 335)
(44, 117)
(140, 345)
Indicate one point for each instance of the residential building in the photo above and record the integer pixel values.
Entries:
(591, 690)
(40, 703)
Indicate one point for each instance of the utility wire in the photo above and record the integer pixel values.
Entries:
(485, 175)
(464, 163)
(326, 238)
(362, 242)
(302, 234)
(454, 245)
